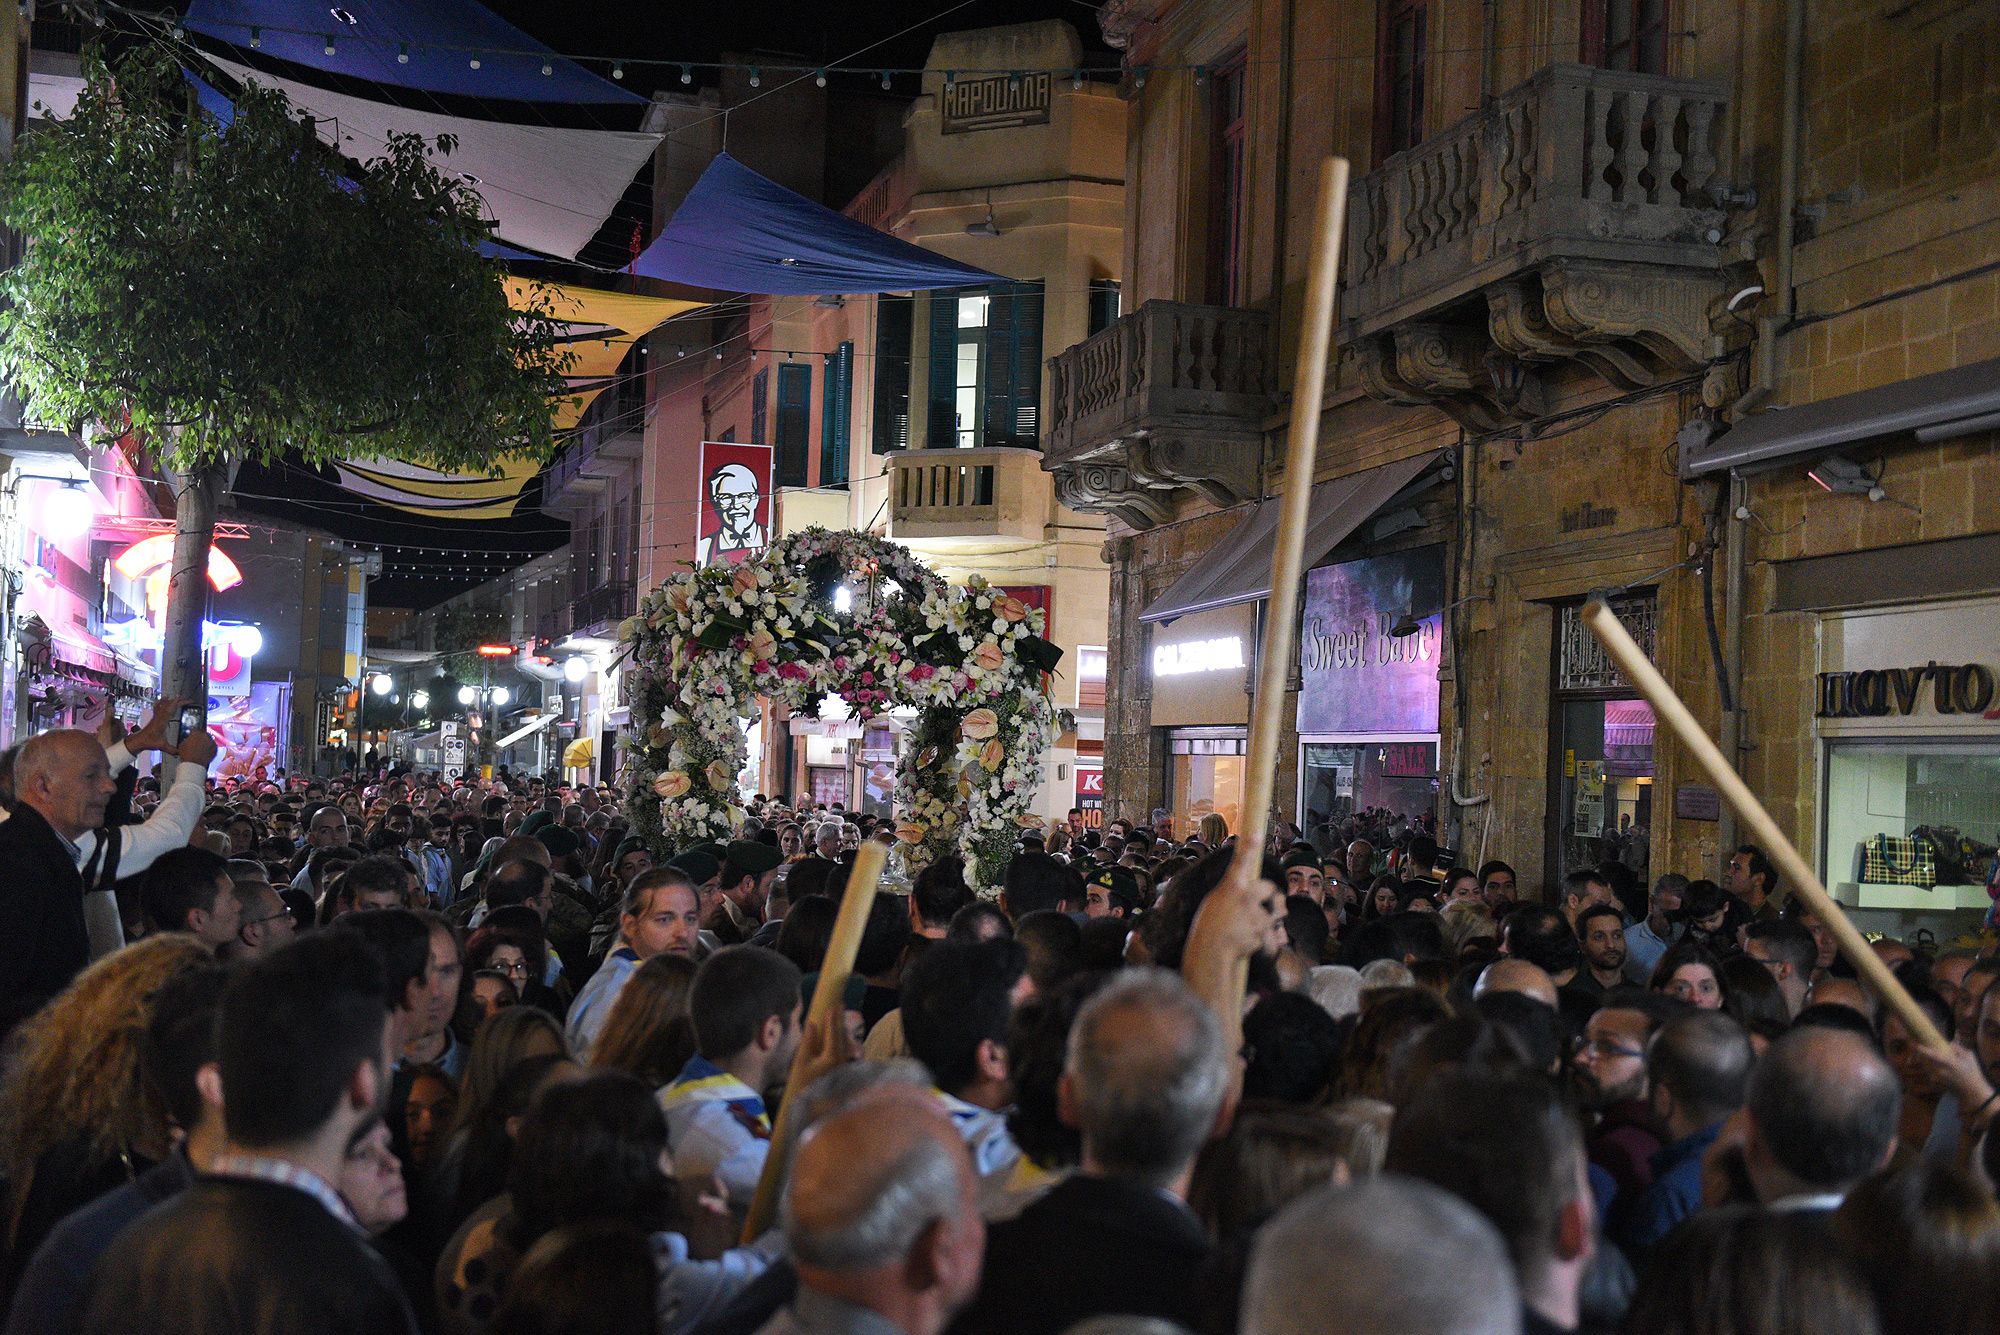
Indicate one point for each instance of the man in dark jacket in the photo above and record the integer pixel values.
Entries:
(1144, 1082)
(301, 1047)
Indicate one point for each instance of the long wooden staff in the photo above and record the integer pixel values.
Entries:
(1217, 973)
(1641, 673)
(825, 1010)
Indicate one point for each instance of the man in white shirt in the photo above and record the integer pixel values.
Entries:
(659, 915)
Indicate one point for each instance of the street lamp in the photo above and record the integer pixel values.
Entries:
(467, 694)
(421, 700)
(381, 683)
(575, 669)
(500, 695)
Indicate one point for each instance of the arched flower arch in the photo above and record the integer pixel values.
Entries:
(972, 661)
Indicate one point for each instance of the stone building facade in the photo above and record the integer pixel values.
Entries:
(1611, 269)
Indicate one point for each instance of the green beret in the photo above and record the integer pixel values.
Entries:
(752, 856)
(534, 821)
(1119, 881)
(560, 840)
(632, 843)
(698, 865)
(1303, 857)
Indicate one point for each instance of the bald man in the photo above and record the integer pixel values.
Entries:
(1512, 975)
(1821, 1116)
(881, 1215)
(54, 853)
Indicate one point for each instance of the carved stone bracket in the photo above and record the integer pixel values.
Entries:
(1142, 488)
(1634, 325)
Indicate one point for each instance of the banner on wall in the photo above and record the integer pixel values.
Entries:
(1356, 677)
(735, 512)
(251, 730)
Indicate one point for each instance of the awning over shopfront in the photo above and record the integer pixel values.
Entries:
(1238, 569)
(742, 232)
(534, 726)
(1931, 408)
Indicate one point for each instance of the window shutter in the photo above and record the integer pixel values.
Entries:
(839, 407)
(892, 373)
(1026, 428)
(1103, 304)
(760, 397)
(943, 433)
(794, 422)
(1001, 337)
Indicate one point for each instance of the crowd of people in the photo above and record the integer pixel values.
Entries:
(390, 1054)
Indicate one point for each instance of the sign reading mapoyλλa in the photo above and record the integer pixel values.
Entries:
(993, 102)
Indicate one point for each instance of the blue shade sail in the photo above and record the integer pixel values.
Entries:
(425, 44)
(741, 232)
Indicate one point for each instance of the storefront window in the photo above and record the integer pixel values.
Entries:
(1350, 788)
(1949, 790)
(1204, 774)
(1604, 807)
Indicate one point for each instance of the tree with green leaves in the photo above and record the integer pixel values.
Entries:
(237, 290)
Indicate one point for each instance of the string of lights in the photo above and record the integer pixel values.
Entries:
(616, 65)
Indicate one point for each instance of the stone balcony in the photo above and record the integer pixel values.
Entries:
(968, 500)
(1169, 399)
(1573, 221)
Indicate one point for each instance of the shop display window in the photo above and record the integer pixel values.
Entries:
(1205, 774)
(1912, 824)
(1604, 790)
(1337, 780)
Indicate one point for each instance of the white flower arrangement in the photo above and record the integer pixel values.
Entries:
(706, 644)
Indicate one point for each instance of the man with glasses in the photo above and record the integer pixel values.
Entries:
(265, 924)
(1609, 1072)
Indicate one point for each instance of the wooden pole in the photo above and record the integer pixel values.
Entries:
(1274, 659)
(1641, 673)
(1216, 961)
(826, 1009)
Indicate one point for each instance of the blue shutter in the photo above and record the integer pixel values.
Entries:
(892, 372)
(839, 408)
(794, 422)
(943, 432)
(1026, 428)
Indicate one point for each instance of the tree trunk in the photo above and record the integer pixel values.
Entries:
(183, 663)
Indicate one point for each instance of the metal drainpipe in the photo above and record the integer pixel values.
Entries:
(1771, 328)
(1732, 647)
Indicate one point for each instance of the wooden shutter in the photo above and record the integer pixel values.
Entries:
(794, 422)
(839, 396)
(760, 398)
(1014, 366)
(943, 433)
(892, 373)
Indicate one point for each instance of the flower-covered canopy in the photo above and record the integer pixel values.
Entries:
(706, 644)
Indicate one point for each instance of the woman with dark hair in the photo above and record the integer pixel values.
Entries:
(648, 1033)
(596, 1277)
(1755, 1000)
(807, 930)
(1738, 1270)
(513, 941)
(1385, 895)
(1927, 1241)
(1691, 972)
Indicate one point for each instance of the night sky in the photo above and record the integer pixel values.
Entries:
(427, 561)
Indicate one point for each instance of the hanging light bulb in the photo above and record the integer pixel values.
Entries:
(1014, 81)
(402, 53)
(687, 74)
(475, 62)
(1139, 80)
(950, 80)
(819, 79)
(547, 68)
(67, 512)
(617, 69)
(500, 695)
(885, 81)
(256, 37)
(756, 77)
(329, 45)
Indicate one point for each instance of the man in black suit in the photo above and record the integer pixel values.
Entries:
(302, 1050)
(1144, 1082)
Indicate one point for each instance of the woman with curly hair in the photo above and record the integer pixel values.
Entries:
(648, 1033)
(77, 1115)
